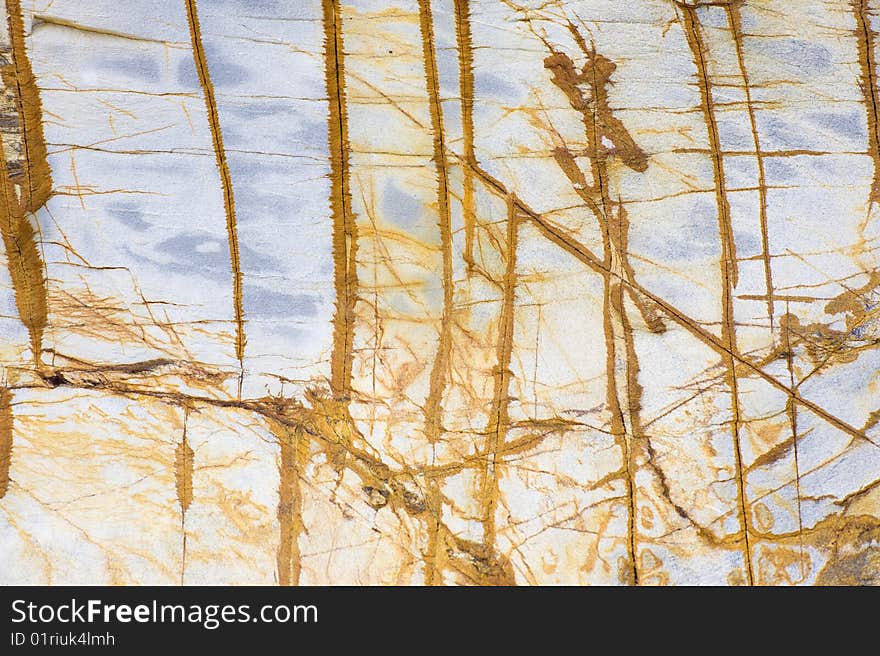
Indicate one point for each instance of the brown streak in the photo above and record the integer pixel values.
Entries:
(791, 411)
(580, 252)
(437, 381)
(294, 452)
(733, 16)
(729, 270)
(867, 62)
(699, 49)
(499, 418)
(437, 384)
(183, 472)
(599, 122)
(183, 480)
(345, 233)
(466, 91)
(201, 64)
(38, 180)
(6, 434)
(24, 262)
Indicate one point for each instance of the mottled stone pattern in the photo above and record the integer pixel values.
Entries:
(10, 129)
(441, 292)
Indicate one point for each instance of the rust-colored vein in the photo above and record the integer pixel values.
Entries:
(469, 559)
(499, 419)
(865, 38)
(734, 20)
(567, 243)
(601, 127)
(183, 481)
(201, 64)
(621, 429)
(626, 398)
(728, 264)
(24, 262)
(294, 452)
(5, 439)
(36, 185)
(437, 381)
(585, 255)
(434, 507)
(792, 413)
(345, 234)
(183, 472)
(698, 47)
(466, 91)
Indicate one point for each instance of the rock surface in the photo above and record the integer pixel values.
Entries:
(440, 292)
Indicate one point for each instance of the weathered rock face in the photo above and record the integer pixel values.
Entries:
(440, 292)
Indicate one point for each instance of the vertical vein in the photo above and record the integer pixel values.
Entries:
(434, 507)
(292, 445)
(5, 439)
(700, 53)
(617, 330)
(345, 244)
(733, 17)
(791, 411)
(466, 91)
(24, 262)
(865, 38)
(728, 264)
(499, 419)
(622, 393)
(37, 178)
(24, 190)
(183, 479)
(201, 63)
(437, 380)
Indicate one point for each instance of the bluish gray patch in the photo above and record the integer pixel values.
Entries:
(778, 169)
(254, 198)
(143, 68)
(255, 5)
(311, 134)
(447, 69)
(695, 237)
(811, 57)
(747, 242)
(714, 17)
(247, 167)
(250, 111)
(259, 263)
(736, 134)
(262, 302)
(747, 19)
(252, 203)
(493, 85)
(200, 254)
(452, 118)
(401, 208)
(224, 73)
(779, 135)
(129, 215)
(851, 125)
(8, 306)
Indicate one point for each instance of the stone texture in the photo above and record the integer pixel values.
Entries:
(440, 292)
